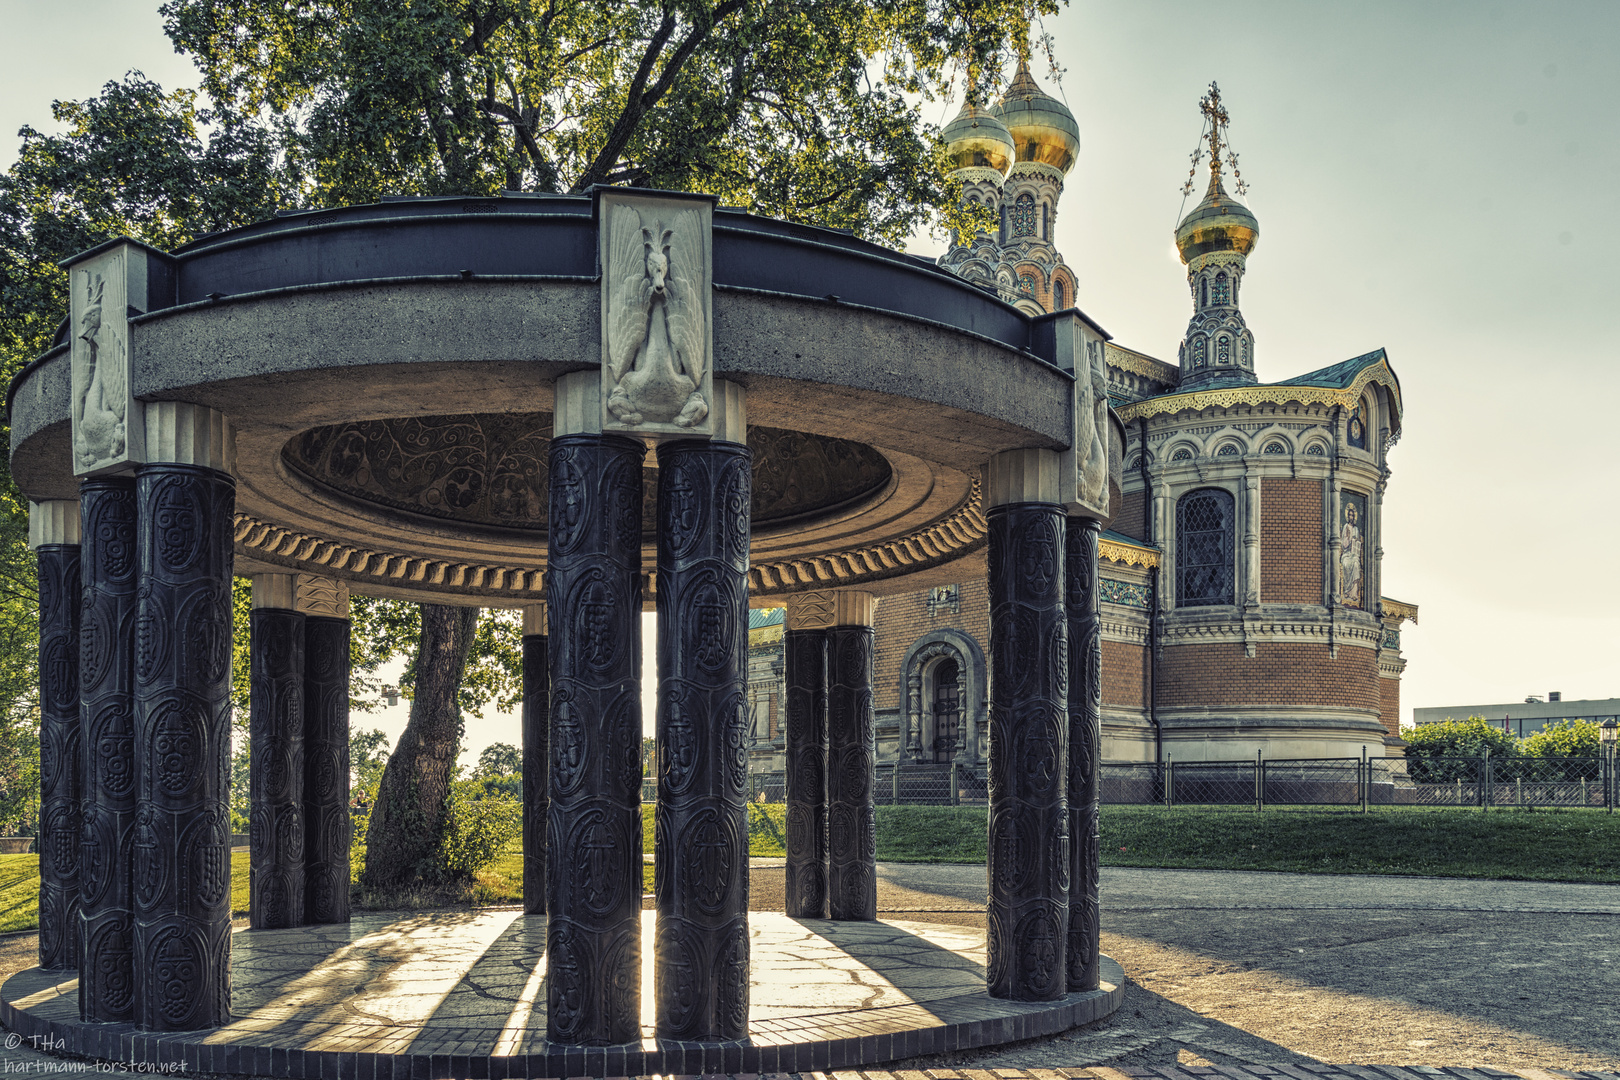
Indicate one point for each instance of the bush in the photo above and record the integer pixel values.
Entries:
(1447, 752)
(1565, 739)
(478, 825)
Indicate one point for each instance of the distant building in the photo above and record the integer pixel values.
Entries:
(1523, 718)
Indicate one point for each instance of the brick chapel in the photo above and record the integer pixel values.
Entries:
(1241, 610)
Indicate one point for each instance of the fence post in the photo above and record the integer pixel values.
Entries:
(1364, 775)
(1484, 784)
(1259, 795)
(894, 784)
(954, 792)
(1169, 781)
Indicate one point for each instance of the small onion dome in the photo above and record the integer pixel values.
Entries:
(1219, 223)
(1042, 127)
(977, 138)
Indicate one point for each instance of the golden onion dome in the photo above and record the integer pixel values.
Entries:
(1042, 127)
(977, 139)
(1219, 223)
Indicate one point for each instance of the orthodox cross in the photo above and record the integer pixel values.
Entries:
(1216, 120)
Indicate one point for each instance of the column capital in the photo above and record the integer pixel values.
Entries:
(307, 594)
(1022, 476)
(833, 607)
(180, 433)
(54, 521)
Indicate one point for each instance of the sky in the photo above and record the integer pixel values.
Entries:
(1429, 178)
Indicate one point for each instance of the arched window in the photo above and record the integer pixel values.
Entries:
(1357, 428)
(1023, 216)
(1248, 361)
(1057, 296)
(1223, 350)
(1203, 293)
(1199, 357)
(1046, 229)
(1204, 548)
(1222, 291)
(947, 710)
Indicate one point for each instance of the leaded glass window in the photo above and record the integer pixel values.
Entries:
(1223, 350)
(1204, 548)
(1057, 296)
(1023, 216)
(1183, 454)
(1198, 352)
(1275, 448)
(1203, 292)
(1222, 289)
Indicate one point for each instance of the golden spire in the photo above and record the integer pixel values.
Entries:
(1216, 120)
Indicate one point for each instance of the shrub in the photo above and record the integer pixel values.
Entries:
(1446, 752)
(478, 825)
(1564, 738)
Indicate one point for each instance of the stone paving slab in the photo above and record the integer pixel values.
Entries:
(460, 995)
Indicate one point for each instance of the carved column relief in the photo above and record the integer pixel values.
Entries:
(700, 965)
(107, 722)
(1251, 540)
(593, 842)
(805, 654)
(1085, 749)
(324, 604)
(1027, 914)
(54, 536)
(536, 757)
(851, 765)
(276, 742)
(181, 844)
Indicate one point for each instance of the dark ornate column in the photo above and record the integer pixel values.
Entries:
(851, 754)
(276, 754)
(181, 849)
(324, 604)
(1028, 911)
(107, 723)
(593, 843)
(700, 962)
(536, 736)
(805, 649)
(1085, 748)
(53, 533)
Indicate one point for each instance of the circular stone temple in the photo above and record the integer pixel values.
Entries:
(584, 407)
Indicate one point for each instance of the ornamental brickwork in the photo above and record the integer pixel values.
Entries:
(1290, 541)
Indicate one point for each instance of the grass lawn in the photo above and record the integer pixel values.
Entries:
(19, 892)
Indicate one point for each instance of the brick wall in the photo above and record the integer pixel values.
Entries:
(1132, 519)
(901, 620)
(1279, 674)
(1124, 674)
(1389, 710)
(1290, 541)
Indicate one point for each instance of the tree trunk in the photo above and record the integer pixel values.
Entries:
(403, 841)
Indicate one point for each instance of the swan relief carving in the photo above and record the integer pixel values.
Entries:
(100, 404)
(657, 337)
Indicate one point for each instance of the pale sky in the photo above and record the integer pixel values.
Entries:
(1428, 179)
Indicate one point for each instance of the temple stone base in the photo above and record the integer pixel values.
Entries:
(423, 997)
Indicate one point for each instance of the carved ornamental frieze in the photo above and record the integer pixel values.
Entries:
(657, 314)
(108, 434)
(1086, 465)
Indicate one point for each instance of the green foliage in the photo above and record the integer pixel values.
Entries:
(241, 792)
(767, 829)
(1447, 752)
(498, 759)
(478, 826)
(1565, 739)
(368, 755)
(805, 111)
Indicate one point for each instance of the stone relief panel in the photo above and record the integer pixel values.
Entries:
(1352, 550)
(657, 375)
(103, 289)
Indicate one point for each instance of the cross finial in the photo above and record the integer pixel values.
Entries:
(1216, 120)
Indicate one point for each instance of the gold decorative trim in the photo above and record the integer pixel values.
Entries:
(1140, 364)
(1398, 609)
(1129, 554)
(1276, 394)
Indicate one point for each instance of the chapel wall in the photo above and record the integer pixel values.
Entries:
(1124, 674)
(1389, 708)
(901, 620)
(1220, 675)
(1290, 541)
(1132, 518)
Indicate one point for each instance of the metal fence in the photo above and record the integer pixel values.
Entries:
(1260, 782)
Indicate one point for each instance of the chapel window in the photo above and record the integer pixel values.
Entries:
(1203, 292)
(1057, 296)
(1223, 350)
(1222, 289)
(1204, 548)
(1023, 217)
(1199, 357)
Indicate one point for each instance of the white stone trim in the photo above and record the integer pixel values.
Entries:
(534, 620)
(181, 433)
(1022, 476)
(54, 521)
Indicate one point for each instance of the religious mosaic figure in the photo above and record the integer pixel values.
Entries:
(1350, 576)
(100, 404)
(657, 344)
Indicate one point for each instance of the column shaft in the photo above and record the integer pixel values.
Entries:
(593, 843)
(327, 828)
(806, 664)
(107, 723)
(851, 775)
(700, 964)
(59, 756)
(276, 768)
(181, 846)
(1085, 748)
(536, 794)
(1028, 910)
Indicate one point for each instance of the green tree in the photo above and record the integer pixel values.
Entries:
(1449, 751)
(498, 759)
(368, 753)
(1574, 738)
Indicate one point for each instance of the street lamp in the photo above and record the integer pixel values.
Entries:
(1607, 732)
